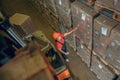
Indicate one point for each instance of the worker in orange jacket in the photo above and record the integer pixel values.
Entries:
(60, 43)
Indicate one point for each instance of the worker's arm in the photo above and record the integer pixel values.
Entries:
(66, 53)
(67, 33)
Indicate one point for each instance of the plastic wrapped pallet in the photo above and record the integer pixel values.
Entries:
(102, 30)
(83, 16)
(63, 12)
(22, 24)
(102, 71)
(83, 52)
(113, 51)
(109, 4)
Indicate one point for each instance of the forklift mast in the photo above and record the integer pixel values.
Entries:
(6, 26)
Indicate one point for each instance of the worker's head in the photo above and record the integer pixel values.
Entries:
(56, 36)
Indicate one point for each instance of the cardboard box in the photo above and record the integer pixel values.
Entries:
(112, 53)
(102, 31)
(102, 71)
(82, 16)
(83, 52)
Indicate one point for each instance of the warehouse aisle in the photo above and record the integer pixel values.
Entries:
(78, 68)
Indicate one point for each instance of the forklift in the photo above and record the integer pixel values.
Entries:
(52, 55)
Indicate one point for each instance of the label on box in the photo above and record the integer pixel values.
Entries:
(60, 2)
(82, 46)
(112, 43)
(100, 66)
(115, 2)
(83, 16)
(104, 31)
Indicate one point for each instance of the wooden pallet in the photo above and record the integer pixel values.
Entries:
(100, 7)
(116, 71)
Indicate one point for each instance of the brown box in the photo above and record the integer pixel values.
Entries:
(83, 52)
(70, 39)
(22, 23)
(101, 46)
(113, 5)
(82, 16)
(64, 15)
(113, 51)
(102, 71)
(102, 30)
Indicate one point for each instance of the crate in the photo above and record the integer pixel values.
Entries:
(22, 24)
(112, 53)
(83, 16)
(102, 71)
(83, 52)
(102, 30)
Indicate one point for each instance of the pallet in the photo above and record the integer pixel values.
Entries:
(116, 71)
(100, 7)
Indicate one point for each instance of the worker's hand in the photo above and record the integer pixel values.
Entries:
(75, 29)
(67, 53)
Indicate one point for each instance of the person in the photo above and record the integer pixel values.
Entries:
(60, 43)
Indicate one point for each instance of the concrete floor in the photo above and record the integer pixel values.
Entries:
(78, 68)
